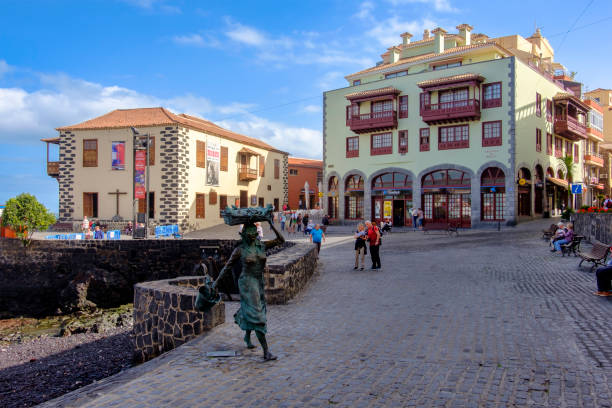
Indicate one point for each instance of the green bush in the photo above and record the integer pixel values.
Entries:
(567, 213)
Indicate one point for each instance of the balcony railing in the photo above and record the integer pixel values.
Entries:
(570, 128)
(458, 144)
(593, 158)
(246, 173)
(53, 169)
(455, 111)
(374, 121)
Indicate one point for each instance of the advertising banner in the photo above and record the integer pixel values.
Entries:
(213, 161)
(388, 209)
(118, 155)
(139, 174)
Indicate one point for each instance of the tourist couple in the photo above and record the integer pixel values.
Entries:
(370, 233)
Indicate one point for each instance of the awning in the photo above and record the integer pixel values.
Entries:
(451, 81)
(248, 151)
(558, 182)
(51, 140)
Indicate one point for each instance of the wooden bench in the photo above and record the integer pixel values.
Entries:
(450, 228)
(572, 247)
(597, 255)
(548, 233)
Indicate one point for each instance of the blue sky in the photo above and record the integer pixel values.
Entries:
(258, 68)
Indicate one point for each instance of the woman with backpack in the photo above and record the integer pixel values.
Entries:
(374, 239)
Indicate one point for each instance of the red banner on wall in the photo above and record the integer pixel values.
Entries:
(139, 174)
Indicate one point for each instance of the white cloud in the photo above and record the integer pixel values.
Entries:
(332, 79)
(365, 10)
(387, 32)
(246, 35)
(4, 68)
(439, 5)
(312, 108)
(191, 39)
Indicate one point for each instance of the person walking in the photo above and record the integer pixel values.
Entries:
(283, 220)
(361, 250)
(420, 216)
(374, 239)
(317, 236)
(415, 217)
(299, 222)
(305, 222)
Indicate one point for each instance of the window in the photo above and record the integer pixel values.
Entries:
(403, 106)
(351, 111)
(276, 169)
(319, 177)
(244, 199)
(596, 120)
(262, 166)
(357, 82)
(90, 153)
(549, 144)
(538, 140)
(260, 202)
(142, 205)
(402, 141)
(396, 74)
(549, 110)
(352, 146)
(293, 172)
(200, 205)
(382, 106)
(200, 153)
(568, 148)
(381, 143)
(538, 105)
(425, 100)
(276, 204)
(446, 65)
(222, 204)
(491, 133)
(576, 153)
(558, 147)
(453, 137)
(392, 181)
(424, 139)
(224, 156)
(90, 205)
(453, 98)
(491, 97)
(354, 207)
(493, 194)
(151, 150)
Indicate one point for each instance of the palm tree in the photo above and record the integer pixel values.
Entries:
(568, 163)
(573, 74)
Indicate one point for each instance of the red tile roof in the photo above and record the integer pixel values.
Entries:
(454, 78)
(374, 92)
(298, 161)
(146, 117)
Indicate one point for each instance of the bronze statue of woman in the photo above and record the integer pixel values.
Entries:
(252, 313)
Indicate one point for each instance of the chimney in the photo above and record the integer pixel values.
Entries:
(406, 38)
(465, 32)
(439, 40)
(426, 34)
(394, 54)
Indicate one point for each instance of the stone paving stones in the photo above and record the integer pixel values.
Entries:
(484, 320)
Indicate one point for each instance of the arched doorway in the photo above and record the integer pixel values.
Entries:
(332, 200)
(446, 197)
(493, 194)
(353, 198)
(524, 192)
(392, 198)
(539, 190)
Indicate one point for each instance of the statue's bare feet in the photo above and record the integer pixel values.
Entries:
(269, 356)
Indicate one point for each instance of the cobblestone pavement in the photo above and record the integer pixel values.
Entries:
(483, 320)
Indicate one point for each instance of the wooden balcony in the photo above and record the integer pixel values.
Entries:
(450, 112)
(373, 122)
(570, 128)
(53, 169)
(247, 173)
(593, 159)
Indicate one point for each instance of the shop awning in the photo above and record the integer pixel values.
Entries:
(558, 182)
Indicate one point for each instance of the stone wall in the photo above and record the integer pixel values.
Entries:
(61, 276)
(595, 227)
(288, 272)
(165, 316)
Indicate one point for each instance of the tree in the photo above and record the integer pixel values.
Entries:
(24, 214)
(568, 163)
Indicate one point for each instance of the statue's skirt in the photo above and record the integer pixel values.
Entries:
(252, 312)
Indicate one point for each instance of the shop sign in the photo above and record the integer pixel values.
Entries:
(576, 188)
(388, 209)
(522, 182)
(392, 192)
(320, 194)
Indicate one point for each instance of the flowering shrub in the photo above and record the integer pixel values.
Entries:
(595, 210)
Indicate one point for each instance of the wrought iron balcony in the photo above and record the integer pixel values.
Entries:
(450, 112)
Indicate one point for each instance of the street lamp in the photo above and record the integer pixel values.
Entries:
(141, 142)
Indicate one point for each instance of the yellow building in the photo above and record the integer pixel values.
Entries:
(196, 169)
(468, 128)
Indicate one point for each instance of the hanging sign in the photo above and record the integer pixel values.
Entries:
(139, 174)
(213, 158)
(388, 209)
(118, 155)
(522, 182)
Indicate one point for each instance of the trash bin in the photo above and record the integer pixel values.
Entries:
(139, 233)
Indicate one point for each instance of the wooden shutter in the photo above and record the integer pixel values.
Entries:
(261, 202)
(200, 205)
(262, 166)
(212, 198)
(244, 199)
(224, 160)
(87, 205)
(152, 151)
(222, 203)
(90, 153)
(200, 153)
(276, 168)
(142, 205)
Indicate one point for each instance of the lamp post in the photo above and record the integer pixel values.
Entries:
(141, 142)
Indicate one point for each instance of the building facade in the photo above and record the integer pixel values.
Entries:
(305, 183)
(469, 128)
(196, 169)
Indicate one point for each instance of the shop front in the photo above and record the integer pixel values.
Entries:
(447, 199)
(332, 198)
(392, 198)
(524, 192)
(353, 198)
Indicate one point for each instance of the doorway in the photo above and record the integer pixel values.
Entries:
(244, 199)
(90, 205)
(398, 213)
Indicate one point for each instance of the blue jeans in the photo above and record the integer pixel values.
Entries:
(559, 243)
(282, 225)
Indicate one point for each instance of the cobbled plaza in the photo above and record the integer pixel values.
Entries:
(489, 319)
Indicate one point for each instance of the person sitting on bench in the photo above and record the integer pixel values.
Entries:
(567, 238)
(604, 279)
(559, 233)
